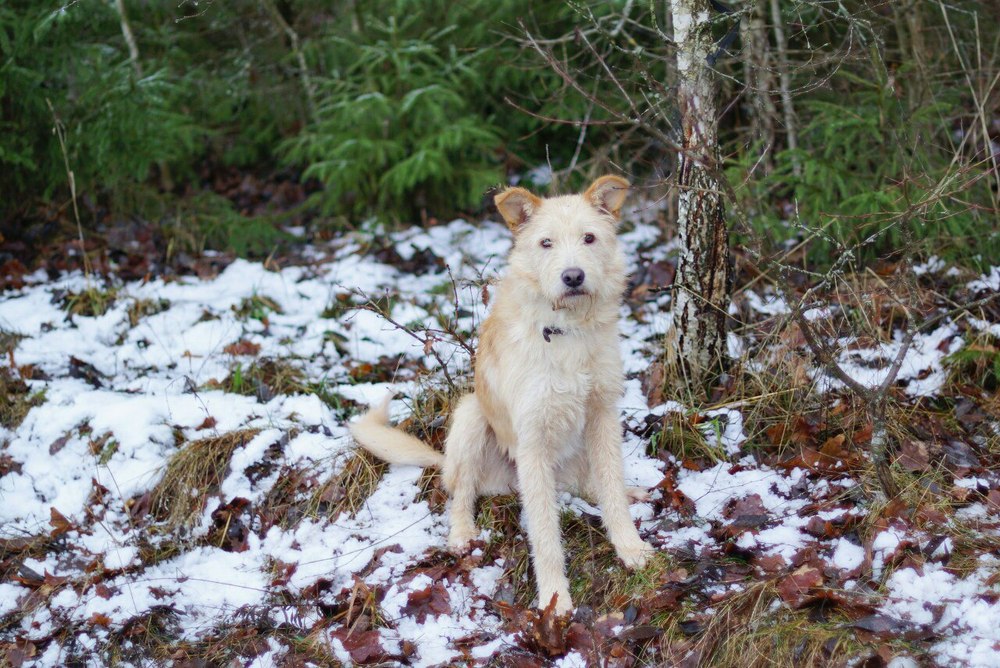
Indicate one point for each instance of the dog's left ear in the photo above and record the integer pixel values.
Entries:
(608, 194)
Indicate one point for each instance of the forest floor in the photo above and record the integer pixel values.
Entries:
(178, 483)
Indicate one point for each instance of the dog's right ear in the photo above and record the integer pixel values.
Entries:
(516, 205)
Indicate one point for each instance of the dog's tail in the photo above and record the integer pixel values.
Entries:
(373, 433)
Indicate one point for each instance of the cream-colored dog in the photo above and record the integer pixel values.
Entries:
(548, 375)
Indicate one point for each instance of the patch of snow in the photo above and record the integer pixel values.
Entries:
(960, 611)
(990, 281)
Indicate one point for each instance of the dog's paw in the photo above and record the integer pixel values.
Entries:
(460, 539)
(561, 606)
(635, 553)
(637, 494)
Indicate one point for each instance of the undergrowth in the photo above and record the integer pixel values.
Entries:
(192, 475)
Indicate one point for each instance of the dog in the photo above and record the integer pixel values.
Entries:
(548, 374)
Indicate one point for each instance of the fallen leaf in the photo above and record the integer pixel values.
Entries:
(960, 455)
(795, 587)
(747, 512)
(58, 444)
(993, 500)
(914, 455)
(207, 423)
(770, 563)
(433, 600)
(364, 646)
(862, 435)
(100, 619)
(545, 631)
(86, 372)
(882, 626)
(653, 384)
(20, 651)
(59, 523)
(242, 347)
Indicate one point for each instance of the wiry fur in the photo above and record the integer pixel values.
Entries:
(543, 414)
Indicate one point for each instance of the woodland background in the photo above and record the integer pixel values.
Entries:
(214, 123)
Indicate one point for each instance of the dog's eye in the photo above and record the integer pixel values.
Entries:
(589, 238)
(546, 243)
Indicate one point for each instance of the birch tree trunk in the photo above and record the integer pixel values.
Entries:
(696, 343)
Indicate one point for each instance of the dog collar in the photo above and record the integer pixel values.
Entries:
(550, 331)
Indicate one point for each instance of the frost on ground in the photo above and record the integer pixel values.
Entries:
(278, 540)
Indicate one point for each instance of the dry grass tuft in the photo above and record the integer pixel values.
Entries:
(265, 378)
(141, 308)
(347, 491)
(192, 475)
(256, 307)
(90, 302)
(16, 399)
(749, 629)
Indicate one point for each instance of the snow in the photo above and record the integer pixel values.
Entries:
(162, 379)
(848, 556)
(961, 611)
(986, 282)
(922, 368)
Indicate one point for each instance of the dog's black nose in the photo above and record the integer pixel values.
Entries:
(573, 278)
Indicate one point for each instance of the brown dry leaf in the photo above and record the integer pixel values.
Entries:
(361, 370)
(20, 651)
(364, 647)
(770, 563)
(834, 447)
(581, 639)
(914, 455)
(100, 619)
(882, 626)
(993, 500)
(207, 423)
(863, 435)
(776, 433)
(433, 600)
(795, 587)
(60, 524)
(283, 572)
(242, 347)
(749, 510)
(653, 384)
(58, 444)
(673, 498)
(665, 599)
(545, 631)
(55, 581)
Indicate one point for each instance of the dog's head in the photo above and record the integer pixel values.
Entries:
(567, 246)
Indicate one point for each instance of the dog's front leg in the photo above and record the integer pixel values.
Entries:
(607, 481)
(537, 483)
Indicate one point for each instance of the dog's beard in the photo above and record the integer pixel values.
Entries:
(574, 299)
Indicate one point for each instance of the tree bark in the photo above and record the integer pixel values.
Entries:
(785, 81)
(696, 342)
(757, 66)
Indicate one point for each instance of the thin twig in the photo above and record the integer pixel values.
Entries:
(60, 131)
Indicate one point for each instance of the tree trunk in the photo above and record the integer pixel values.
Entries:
(759, 81)
(696, 343)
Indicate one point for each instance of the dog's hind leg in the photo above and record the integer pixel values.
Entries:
(468, 468)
